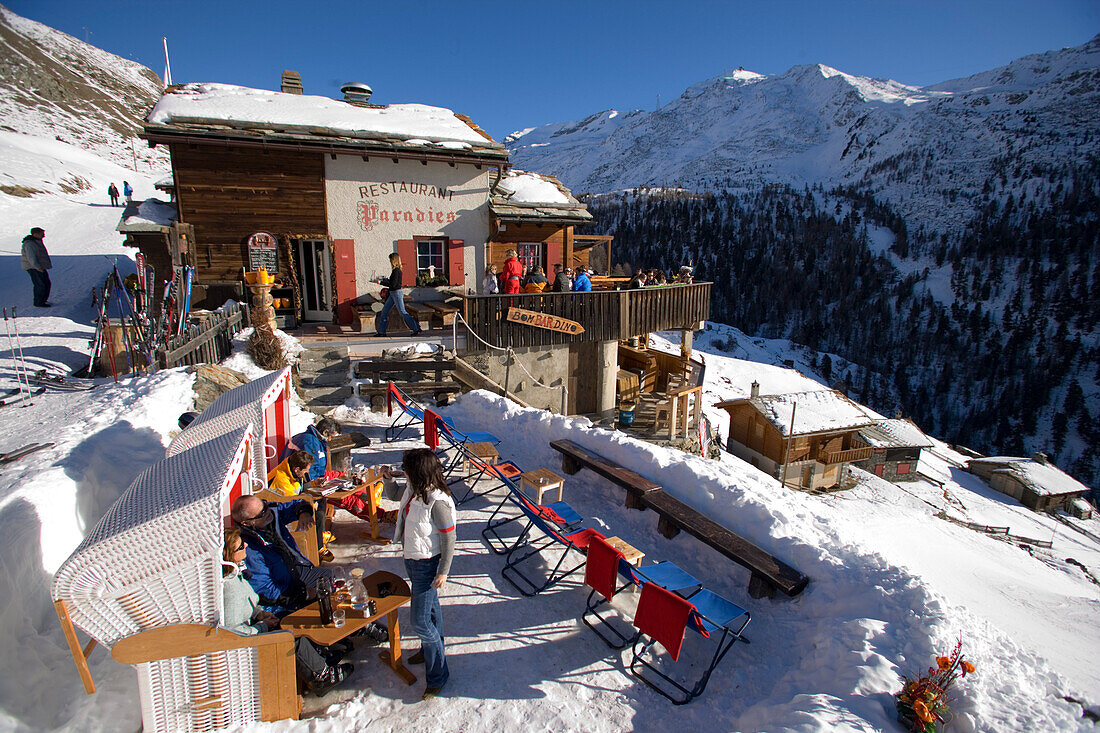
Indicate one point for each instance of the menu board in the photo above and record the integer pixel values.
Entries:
(263, 252)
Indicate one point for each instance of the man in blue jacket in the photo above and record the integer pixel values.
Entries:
(280, 573)
(582, 283)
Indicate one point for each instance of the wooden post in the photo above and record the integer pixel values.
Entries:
(790, 437)
(80, 656)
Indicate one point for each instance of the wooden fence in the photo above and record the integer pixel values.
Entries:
(986, 529)
(607, 315)
(207, 343)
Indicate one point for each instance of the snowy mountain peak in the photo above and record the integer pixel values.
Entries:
(58, 87)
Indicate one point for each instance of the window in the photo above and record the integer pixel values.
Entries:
(903, 468)
(530, 254)
(431, 262)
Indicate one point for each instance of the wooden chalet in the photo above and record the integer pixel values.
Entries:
(153, 227)
(804, 439)
(896, 444)
(1035, 482)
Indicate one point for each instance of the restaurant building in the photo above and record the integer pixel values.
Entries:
(323, 191)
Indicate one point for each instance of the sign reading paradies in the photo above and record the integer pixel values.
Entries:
(544, 320)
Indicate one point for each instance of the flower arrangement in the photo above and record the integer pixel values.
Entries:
(923, 701)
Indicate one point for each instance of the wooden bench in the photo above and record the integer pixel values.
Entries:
(443, 314)
(374, 394)
(373, 368)
(574, 458)
(768, 572)
(421, 312)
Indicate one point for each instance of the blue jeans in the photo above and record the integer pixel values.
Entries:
(40, 280)
(396, 299)
(427, 619)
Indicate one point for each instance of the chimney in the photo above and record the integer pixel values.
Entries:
(292, 83)
(754, 389)
(356, 92)
(1040, 457)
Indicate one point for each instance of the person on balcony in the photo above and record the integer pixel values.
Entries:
(489, 284)
(561, 280)
(512, 272)
(395, 299)
(536, 281)
(582, 283)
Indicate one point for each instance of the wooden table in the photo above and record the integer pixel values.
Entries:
(630, 553)
(484, 452)
(541, 481)
(307, 621)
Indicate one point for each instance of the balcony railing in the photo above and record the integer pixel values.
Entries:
(845, 456)
(607, 315)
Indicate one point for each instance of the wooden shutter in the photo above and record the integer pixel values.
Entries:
(553, 257)
(344, 254)
(456, 262)
(406, 249)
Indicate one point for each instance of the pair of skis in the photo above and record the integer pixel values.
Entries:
(15, 455)
(59, 382)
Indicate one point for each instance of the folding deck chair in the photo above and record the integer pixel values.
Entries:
(663, 616)
(564, 517)
(436, 428)
(575, 538)
(412, 412)
(605, 564)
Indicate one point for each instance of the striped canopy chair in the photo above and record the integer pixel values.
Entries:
(263, 402)
(147, 581)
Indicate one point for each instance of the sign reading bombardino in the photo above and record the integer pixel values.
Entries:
(543, 320)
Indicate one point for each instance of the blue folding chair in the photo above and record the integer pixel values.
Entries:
(560, 541)
(663, 616)
(605, 565)
(560, 514)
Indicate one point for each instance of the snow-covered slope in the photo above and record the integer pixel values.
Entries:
(55, 86)
(922, 149)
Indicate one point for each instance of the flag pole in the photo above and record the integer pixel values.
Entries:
(167, 65)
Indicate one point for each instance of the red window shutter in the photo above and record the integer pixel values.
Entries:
(456, 262)
(344, 253)
(878, 470)
(903, 468)
(553, 257)
(406, 250)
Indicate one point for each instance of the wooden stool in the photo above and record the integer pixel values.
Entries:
(541, 481)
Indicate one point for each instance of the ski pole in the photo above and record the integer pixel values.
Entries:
(14, 361)
(122, 322)
(19, 345)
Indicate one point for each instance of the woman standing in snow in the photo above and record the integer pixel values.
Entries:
(426, 531)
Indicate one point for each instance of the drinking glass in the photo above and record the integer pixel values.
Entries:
(359, 597)
(339, 578)
(338, 617)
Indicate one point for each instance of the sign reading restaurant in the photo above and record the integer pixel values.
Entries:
(544, 320)
(372, 212)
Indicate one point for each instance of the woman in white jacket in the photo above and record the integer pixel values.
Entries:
(426, 531)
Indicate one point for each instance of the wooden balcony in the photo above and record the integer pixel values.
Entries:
(607, 315)
(845, 456)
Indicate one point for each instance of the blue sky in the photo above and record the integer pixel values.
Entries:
(515, 65)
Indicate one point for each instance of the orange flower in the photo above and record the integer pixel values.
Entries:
(922, 711)
(967, 667)
(944, 662)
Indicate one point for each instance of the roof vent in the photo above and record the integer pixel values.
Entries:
(292, 83)
(356, 91)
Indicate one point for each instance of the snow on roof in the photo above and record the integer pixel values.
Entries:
(531, 188)
(814, 412)
(1044, 479)
(151, 215)
(242, 106)
(895, 433)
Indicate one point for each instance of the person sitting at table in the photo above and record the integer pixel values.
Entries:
(638, 281)
(314, 440)
(288, 476)
(536, 281)
(319, 668)
(426, 531)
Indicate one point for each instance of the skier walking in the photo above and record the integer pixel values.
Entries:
(128, 192)
(36, 261)
(112, 191)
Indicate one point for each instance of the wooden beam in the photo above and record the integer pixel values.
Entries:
(80, 656)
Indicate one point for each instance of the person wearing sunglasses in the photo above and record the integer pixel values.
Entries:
(280, 573)
(318, 667)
